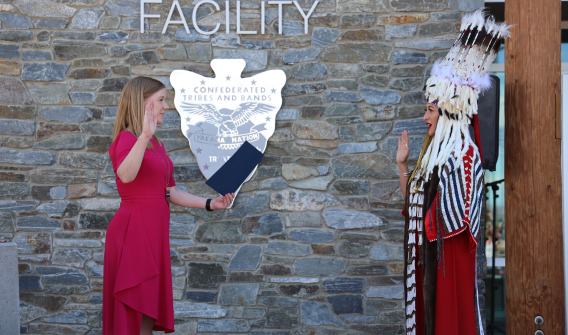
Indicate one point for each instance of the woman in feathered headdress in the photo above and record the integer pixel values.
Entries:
(443, 194)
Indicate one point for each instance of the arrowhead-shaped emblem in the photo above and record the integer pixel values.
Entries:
(219, 114)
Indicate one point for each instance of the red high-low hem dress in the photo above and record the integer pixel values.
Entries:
(137, 268)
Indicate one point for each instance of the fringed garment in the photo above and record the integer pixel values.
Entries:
(440, 272)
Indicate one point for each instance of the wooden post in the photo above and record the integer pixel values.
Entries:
(533, 185)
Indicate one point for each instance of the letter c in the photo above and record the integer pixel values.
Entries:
(194, 17)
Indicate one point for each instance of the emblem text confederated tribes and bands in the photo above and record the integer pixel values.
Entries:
(219, 114)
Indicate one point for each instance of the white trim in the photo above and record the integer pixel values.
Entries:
(501, 67)
(499, 261)
(504, 0)
(497, 67)
(564, 158)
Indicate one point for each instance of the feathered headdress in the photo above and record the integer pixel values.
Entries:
(455, 84)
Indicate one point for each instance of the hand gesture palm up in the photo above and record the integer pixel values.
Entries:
(150, 120)
(403, 148)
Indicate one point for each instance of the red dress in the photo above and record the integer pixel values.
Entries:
(455, 312)
(137, 268)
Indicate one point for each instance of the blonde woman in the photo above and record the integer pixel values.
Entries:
(137, 286)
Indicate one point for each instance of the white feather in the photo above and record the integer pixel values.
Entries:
(505, 32)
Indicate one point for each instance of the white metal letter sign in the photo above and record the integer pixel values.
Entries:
(219, 114)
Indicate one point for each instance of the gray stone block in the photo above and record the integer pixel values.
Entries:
(246, 204)
(256, 60)
(50, 93)
(67, 317)
(30, 283)
(71, 257)
(292, 56)
(198, 310)
(310, 71)
(225, 325)
(62, 275)
(315, 313)
(426, 43)
(387, 252)
(82, 98)
(62, 141)
(409, 57)
(339, 96)
(222, 40)
(346, 303)
(257, 45)
(344, 284)
(113, 36)
(38, 222)
(29, 312)
(59, 208)
(9, 300)
(38, 55)
(48, 71)
(353, 148)
(239, 294)
(412, 126)
(287, 248)
(9, 51)
(312, 235)
(372, 131)
(27, 157)
(288, 114)
(432, 29)
(349, 219)
(385, 292)
(87, 18)
(16, 21)
(51, 23)
(319, 266)
(75, 35)
(403, 31)
(375, 96)
(323, 37)
(17, 127)
(266, 224)
(246, 258)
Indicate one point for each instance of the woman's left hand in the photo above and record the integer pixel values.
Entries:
(222, 202)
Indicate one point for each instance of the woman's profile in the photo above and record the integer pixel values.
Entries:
(137, 286)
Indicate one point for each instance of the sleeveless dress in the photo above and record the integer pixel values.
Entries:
(137, 269)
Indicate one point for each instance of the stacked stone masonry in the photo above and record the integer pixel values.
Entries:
(313, 243)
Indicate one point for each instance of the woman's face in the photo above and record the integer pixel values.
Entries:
(431, 118)
(160, 105)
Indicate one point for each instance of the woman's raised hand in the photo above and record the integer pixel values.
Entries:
(223, 202)
(403, 149)
(150, 120)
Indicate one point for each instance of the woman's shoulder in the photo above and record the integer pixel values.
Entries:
(124, 140)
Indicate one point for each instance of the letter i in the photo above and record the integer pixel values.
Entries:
(262, 17)
(227, 12)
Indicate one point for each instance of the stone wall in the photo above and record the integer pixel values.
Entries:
(313, 244)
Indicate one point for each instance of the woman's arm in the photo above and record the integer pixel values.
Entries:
(401, 158)
(130, 166)
(181, 198)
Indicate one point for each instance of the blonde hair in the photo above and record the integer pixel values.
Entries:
(131, 108)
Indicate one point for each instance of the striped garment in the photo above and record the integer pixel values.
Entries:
(460, 202)
(457, 197)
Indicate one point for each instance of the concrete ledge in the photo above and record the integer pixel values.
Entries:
(9, 288)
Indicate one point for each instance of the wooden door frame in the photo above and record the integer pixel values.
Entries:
(533, 172)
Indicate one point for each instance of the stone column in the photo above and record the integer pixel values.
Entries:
(9, 288)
